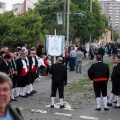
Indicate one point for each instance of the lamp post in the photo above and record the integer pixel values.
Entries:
(68, 22)
(91, 12)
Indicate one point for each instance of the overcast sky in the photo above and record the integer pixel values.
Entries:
(9, 3)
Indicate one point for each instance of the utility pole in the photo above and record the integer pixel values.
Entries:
(90, 12)
(64, 13)
(68, 21)
(24, 5)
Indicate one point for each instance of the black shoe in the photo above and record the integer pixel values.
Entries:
(16, 97)
(24, 96)
(115, 102)
(117, 107)
(76, 72)
(29, 94)
(14, 100)
(99, 109)
(62, 106)
(52, 106)
(34, 91)
(109, 104)
(106, 109)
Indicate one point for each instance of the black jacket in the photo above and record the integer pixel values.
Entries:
(115, 76)
(4, 67)
(19, 65)
(98, 70)
(14, 66)
(31, 62)
(101, 51)
(59, 73)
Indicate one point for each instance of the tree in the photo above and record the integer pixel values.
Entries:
(26, 28)
(93, 23)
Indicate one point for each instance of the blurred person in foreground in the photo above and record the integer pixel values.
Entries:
(6, 111)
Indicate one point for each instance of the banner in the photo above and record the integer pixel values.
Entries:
(55, 45)
(60, 18)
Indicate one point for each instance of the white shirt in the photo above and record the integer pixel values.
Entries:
(24, 65)
(40, 62)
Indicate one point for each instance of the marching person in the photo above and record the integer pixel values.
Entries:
(115, 77)
(14, 76)
(59, 80)
(21, 71)
(4, 66)
(112, 96)
(33, 64)
(6, 111)
(99, 74)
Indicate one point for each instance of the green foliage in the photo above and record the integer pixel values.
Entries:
(93, 24)
(21, 29)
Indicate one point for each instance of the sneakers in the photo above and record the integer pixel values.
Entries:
(109, 104)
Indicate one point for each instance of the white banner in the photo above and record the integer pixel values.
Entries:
(55, 45)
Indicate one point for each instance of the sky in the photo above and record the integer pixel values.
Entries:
(9, 3)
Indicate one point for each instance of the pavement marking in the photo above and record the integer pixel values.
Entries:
(38, 111)
(66, 104)
(89, 118)
(69, 115)
(34, 110)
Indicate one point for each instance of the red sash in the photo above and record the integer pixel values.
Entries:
(23, 73)
(33, 69)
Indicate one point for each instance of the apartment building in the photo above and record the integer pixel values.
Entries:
(112, 10)
(2, 7)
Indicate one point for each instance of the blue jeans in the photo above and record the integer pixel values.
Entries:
(78, 66)
(72, 63)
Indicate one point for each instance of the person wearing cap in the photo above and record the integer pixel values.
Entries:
(99, 74)
(59, 80)
(6, 111)
(4, 64)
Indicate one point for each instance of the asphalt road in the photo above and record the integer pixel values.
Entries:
(79, 106)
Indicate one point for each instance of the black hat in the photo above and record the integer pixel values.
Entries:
(7, 56)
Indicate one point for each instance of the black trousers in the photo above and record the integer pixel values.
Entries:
(21, 81)
(100, 87)
(14, 80)
(60, 87)
(33, 77)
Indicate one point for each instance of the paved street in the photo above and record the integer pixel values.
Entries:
(79, 100)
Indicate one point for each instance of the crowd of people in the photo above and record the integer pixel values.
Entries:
(23, 66)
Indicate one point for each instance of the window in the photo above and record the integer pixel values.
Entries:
(1, 5)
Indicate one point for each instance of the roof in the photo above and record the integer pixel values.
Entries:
(3, 2)
(17, 4)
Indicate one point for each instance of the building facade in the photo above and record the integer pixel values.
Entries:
(18, 8)
(2, 7)
(30, 4)
(111, 8)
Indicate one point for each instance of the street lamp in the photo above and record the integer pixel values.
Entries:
(91, 12)
(68, 22)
